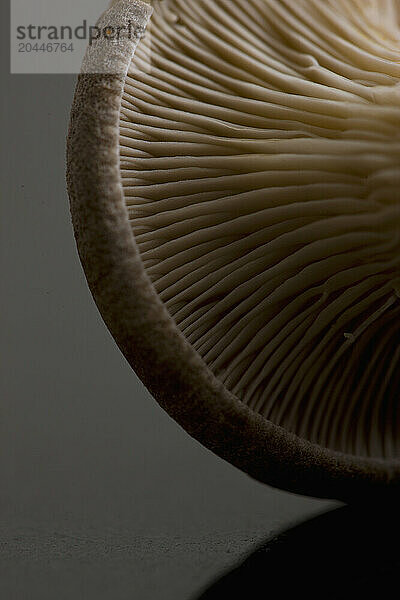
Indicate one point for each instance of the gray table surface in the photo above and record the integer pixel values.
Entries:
(102, 495)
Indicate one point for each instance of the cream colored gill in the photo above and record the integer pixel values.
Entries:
(260, 153)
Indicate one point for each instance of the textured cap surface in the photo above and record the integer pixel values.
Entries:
(143, 327)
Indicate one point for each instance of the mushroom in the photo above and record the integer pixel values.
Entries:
(234, 191)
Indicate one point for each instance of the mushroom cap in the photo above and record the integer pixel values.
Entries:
(235, 206)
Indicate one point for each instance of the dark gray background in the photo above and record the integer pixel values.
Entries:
(102, 495)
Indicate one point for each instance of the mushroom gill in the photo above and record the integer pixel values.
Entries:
(260, 156)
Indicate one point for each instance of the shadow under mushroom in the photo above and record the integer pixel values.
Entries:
(351, 552)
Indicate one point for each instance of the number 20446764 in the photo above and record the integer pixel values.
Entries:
(49, 47)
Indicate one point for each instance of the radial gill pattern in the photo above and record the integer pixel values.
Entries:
(260, 160)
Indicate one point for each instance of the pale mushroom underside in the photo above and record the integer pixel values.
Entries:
(259, 154)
